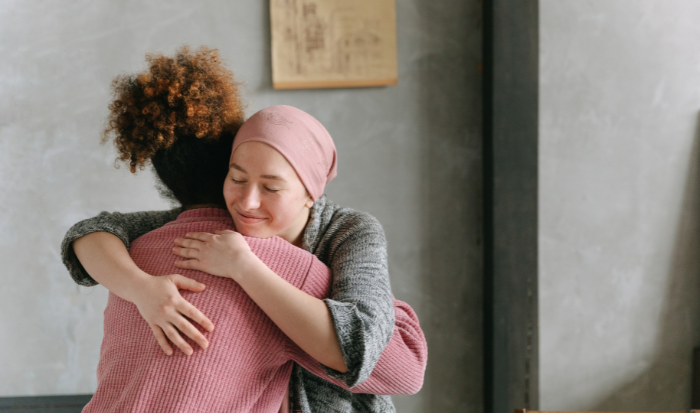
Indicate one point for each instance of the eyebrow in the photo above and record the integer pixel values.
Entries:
(275, 177)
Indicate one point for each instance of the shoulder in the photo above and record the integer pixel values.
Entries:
(179, 226)
(348, 228)
(343, 221)
(348, 222)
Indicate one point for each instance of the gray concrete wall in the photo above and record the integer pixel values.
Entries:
(408, 154)
(619, 203)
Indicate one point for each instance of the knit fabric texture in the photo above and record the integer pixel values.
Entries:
(366, 318)
(247, 366)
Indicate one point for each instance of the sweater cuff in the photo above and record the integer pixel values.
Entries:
(349, 329)
(70, 260)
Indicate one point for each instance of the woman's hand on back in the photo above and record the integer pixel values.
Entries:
(159, 302)
(224, 253)
(106, 259)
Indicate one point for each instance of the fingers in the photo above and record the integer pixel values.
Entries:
(190, 331)
(188, 264)
(184, 283)
(224, 231)
(174, 336)
(189, 247)
(189, 243)
(186, 252)
(162, 341)
(191, 312)
(200, 236)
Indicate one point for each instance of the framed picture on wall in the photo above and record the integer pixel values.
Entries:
(333, 43)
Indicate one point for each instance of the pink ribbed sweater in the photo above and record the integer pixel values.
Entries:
(248, 363)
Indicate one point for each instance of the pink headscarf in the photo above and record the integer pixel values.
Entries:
(300, 138)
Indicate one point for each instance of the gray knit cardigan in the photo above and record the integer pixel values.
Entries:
(353, 245)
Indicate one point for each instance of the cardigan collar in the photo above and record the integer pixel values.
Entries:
(319, 220)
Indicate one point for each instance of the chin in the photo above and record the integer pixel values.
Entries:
(254, 232)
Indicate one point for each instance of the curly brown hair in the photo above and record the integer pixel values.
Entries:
(189, 95)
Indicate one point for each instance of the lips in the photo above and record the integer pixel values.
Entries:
(248, 219)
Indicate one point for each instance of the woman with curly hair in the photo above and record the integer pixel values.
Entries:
(181, 116)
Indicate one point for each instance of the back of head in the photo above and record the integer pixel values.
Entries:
(181, 115)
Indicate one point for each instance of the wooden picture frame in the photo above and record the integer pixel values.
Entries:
(333, 43)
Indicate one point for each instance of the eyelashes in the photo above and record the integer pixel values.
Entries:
(264, 187)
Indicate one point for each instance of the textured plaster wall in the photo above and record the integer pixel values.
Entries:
(409, 154)
(619, 203)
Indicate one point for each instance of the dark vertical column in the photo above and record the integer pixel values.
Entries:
(510, 205)
(695, 389)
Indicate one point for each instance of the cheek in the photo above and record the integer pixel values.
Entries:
(229, 192)
(280, 212)
(288, 209)
(276, 208)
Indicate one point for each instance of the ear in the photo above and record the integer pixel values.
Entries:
(309, 201)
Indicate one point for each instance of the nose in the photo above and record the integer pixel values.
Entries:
(250, 199)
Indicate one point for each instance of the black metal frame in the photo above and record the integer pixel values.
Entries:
(510, 148)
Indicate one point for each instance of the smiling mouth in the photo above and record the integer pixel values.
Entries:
(248, 219)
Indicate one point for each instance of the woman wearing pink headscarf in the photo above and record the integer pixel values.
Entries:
(282, 158)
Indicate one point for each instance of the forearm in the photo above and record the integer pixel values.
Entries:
(401, 367)
(105, 257)
(306, 320)
(126, 227)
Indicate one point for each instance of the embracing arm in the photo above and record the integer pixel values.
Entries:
(126, 227)
(401, 367)
(361, 302)
(303, 317)
(347, 332)
(95, 251)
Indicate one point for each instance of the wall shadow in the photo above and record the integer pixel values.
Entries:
(679, 331)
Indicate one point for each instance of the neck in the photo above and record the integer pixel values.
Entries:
(294, 234)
